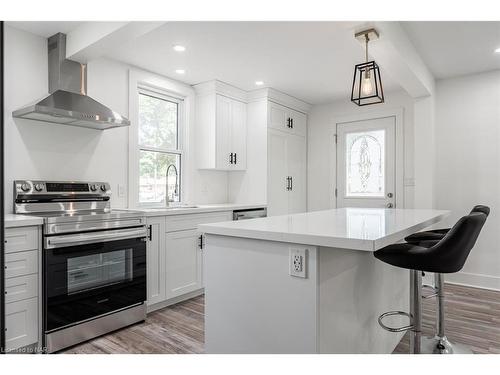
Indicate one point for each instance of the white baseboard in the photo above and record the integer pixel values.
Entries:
(474, 280)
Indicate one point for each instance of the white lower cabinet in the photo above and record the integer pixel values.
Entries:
(174, 256)
(183, 262)
(155, 260)
(21, 322)
(22, 287)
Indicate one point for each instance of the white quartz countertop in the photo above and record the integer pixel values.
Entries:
(12, 220)
(199, 208)
(367, 229)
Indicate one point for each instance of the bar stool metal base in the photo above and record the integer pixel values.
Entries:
(441, 345)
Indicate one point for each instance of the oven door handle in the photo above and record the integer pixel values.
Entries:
(87, 238)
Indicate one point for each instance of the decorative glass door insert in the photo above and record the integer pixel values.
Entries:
(365, 163)
(365, 159)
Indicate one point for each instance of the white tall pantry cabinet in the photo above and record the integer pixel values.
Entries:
(262, 134)
(286, 159)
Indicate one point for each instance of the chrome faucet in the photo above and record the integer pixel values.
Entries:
(176, 187)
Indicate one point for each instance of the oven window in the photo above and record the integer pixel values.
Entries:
(98, 270)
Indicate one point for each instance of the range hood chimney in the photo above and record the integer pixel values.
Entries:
(68, 102)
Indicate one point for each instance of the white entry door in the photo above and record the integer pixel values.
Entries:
(366, 166)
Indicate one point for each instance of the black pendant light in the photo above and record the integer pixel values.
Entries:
(367, 84)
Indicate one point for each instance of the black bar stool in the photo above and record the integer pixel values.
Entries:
(445, 256)
(439, 344)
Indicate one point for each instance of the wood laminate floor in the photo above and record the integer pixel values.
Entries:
(472, 317)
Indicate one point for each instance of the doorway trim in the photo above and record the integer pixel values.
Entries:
(398, 114)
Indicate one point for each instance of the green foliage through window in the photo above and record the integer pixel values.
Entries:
(158, 144)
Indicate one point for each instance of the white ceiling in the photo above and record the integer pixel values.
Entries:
(45, 28)
(453, 49)
(312, 61)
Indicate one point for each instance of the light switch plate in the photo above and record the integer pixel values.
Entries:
(409, 181)
(121, 190)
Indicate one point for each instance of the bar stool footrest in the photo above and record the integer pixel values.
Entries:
(433, 288)
(394, 329)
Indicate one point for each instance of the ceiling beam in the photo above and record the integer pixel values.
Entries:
(94, 39)
(395, 53)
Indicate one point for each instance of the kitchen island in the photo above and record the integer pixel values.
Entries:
(306, 283)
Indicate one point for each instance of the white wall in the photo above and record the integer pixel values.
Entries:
(468, 165)
(424, 151)
(57, 152)
(321, 146)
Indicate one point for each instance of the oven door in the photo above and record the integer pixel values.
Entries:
(87, 275)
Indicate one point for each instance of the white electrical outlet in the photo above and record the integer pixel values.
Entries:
(298, 262)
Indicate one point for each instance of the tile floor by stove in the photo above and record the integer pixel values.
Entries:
(472, 317)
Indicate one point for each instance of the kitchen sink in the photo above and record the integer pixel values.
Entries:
(171, 208)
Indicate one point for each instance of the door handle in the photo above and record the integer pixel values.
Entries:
(231, 158)
(200, 244)
(67, 240)
(390, 195)
(150, 232)
(288, 124)
(291, 180)
(291, 123)
(287, 183)
(389, 205)
(235, 160)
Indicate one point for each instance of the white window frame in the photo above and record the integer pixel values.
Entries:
(163, 88)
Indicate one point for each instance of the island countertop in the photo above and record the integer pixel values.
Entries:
(366, 229)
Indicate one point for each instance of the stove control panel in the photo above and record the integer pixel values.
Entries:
(67, 197)
(26, 187)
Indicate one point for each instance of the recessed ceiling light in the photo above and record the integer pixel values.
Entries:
(180, 71)
(497, 50)
(259, 83)
(179, 48)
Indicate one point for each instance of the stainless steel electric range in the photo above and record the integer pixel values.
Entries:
(94, 259)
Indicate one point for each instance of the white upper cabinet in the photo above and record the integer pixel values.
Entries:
(287, 120)
(221, 127)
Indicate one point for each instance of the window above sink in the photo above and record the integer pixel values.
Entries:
(157, 140)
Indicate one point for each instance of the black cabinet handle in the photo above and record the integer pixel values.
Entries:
(287, 183)
(235, 160)
(291, 123)
(231, 158)
(200, 243)
(288, 122)
(291, 183)
(150, 232)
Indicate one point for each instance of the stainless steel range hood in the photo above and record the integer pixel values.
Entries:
(68, 103)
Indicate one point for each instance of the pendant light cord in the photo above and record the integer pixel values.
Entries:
(367, 39)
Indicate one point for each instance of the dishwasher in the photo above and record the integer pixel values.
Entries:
(252, 213)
